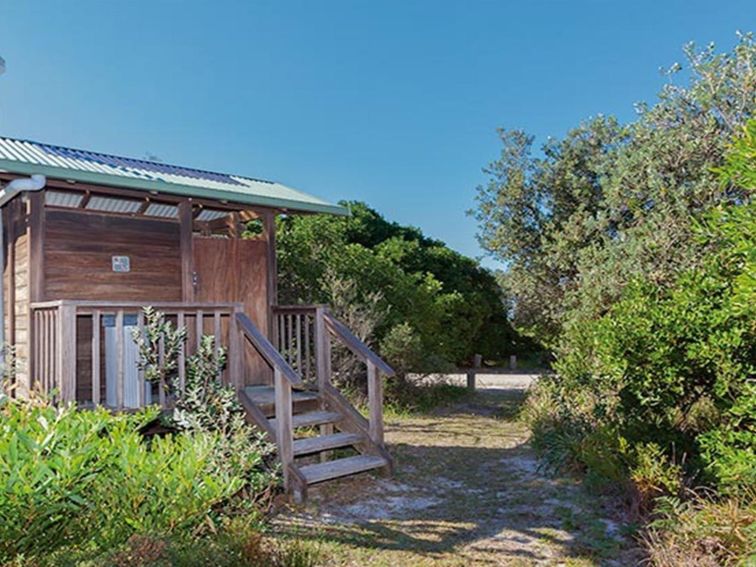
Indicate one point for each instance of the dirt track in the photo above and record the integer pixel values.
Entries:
(468, 491)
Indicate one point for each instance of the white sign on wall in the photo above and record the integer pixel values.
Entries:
(121, 264)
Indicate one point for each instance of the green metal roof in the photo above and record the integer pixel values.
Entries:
(27, 158)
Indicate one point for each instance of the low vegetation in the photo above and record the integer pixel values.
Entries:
(96, 488)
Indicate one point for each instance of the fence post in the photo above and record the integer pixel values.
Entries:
(513, 362)
(477, 361)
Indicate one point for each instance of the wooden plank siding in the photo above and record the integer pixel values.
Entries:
(55, 253)
(78, 255)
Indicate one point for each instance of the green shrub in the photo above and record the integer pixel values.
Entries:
(666, 370)
(90, 479)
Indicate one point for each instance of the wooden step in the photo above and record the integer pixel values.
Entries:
(311, 418)
(341, 467)
(325, 443)
(264, 397)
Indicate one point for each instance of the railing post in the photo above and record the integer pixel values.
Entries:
(284, 433)
(322, 349)
(375, 403)
(235, 353)
(66, 352)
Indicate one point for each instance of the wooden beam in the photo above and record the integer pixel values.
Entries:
(269, 232)
(187, 252)
(36, 243)
(10, 259)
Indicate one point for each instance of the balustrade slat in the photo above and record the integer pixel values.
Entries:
(200, 327)
(307, 369)
(119, 358)
(299, 343)
(161, 362)
(181, 323)
(140, 372)
(289, 346)
(96, 357)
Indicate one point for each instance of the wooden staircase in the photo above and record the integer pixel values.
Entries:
(320, 436)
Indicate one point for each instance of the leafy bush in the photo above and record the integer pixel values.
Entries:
(397, 279)
(89, 479)
(667, 368)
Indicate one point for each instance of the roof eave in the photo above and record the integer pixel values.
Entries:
(95, 178)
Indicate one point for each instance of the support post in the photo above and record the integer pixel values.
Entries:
(284, 433)
(375, 403)
(235, 351)
(186, 244)
(477, 361)
(66, 352)
(271, 287)
(322, 349)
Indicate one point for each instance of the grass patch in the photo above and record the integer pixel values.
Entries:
(239, 543)
(404, 397)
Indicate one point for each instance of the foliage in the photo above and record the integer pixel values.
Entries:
(158, 344)
(610, 203)
(204, 404)
(673, 367)
(703, 531)
(397, 279)
(90, 480)
(238, 542)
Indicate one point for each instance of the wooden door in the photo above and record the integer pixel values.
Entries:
(234, 270)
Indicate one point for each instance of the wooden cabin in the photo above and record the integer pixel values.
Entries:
(90, 239)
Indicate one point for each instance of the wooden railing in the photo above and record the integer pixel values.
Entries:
(69, 348)
(305, 337)
(284, 379)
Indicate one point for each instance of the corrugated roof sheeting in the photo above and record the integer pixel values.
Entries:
(161, 210)
(111, 205)
(18, 155)
(207, 215)
(63, 199)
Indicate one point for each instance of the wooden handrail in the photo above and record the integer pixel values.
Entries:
(360, 349)
(304, 308)
(165, 306)
(267, 350)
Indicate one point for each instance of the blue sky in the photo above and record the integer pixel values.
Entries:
(392, 103)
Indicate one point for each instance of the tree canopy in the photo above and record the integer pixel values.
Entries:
(427, 304)
(611, 201)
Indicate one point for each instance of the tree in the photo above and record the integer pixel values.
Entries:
(611, 202)
(401, 283)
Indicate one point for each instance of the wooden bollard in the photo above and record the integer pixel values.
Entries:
(477, 361)
(513, 362)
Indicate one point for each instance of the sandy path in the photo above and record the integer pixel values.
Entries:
(467, 491)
